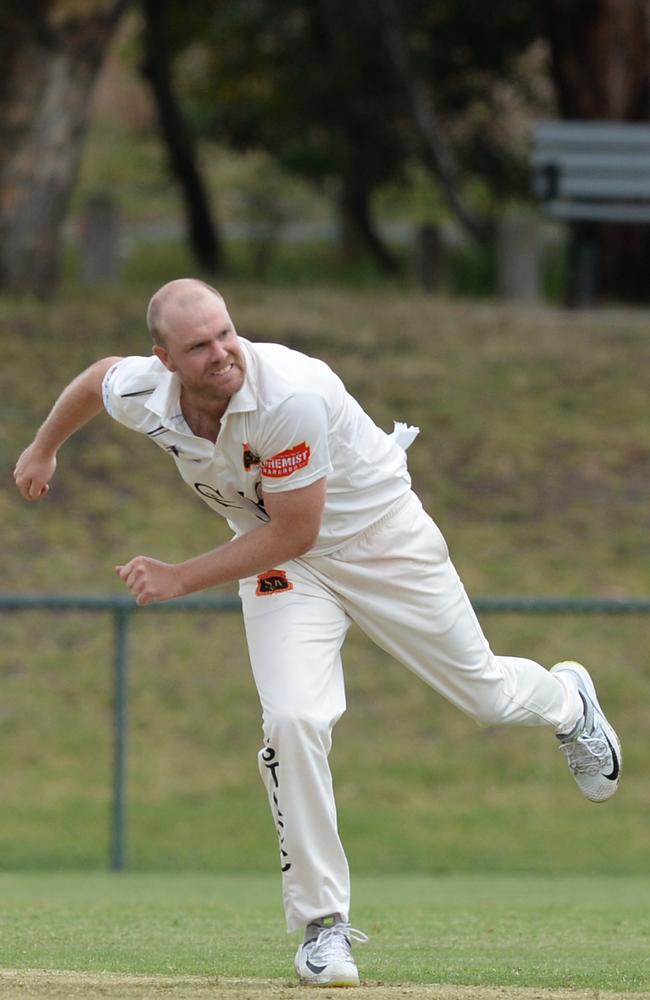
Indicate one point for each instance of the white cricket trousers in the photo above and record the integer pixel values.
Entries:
(397, 583)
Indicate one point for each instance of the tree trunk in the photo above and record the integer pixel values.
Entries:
(599, 50)
(202, 233)
(51, 52)
(601, 70)
(358, 234)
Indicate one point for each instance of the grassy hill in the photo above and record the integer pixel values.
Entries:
(533, 457)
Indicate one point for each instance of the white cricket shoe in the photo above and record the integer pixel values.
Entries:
(325, 956)
(592, 750)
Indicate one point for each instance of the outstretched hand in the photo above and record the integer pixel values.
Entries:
(33, 473)
(150, 580)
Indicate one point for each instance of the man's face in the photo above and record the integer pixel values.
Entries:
(202, 347)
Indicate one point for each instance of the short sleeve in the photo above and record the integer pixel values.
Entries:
(126, 387)
(293, 446)
(109, 393)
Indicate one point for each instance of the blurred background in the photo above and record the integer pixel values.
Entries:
(296, 141)
(407, 190)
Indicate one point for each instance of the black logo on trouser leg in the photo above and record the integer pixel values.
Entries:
(273, 581)
(272, 764)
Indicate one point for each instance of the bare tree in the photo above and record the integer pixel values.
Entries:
(435, 151)
(50, 52)
(202, 232)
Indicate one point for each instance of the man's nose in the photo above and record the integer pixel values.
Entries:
(219, 351)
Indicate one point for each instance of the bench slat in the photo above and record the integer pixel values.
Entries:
(597, 212)
(593, 170)
(613, 163)
(601, 187)
(581, 134)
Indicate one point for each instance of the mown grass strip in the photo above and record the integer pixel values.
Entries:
(483, 931)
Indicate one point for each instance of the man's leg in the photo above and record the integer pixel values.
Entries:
(295, 630)
(398, 584)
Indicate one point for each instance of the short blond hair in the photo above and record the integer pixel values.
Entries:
(182, 291)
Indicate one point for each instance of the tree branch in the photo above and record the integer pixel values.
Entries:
(436, 152)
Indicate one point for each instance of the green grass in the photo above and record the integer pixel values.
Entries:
(419, 787)
(533, 458)
(577, 933)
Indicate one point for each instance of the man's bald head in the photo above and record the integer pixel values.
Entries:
(180, 294)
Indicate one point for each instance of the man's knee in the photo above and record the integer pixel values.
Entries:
(287, 724)
(293, 735)
(489, 703)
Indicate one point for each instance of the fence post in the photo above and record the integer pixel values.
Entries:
(100, 260)
(120, 708)
(429, 257)
(518, 257)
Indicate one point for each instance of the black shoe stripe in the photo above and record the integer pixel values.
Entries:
(316, 969)
(615, 768)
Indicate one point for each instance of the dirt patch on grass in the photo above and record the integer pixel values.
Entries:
(16, 983)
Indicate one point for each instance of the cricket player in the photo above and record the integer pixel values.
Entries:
(326, 532)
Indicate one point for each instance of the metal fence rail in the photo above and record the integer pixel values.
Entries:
(122, 608)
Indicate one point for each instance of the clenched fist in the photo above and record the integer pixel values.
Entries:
(150, 580)
(33, 472)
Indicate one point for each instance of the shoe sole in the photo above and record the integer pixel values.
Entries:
(339, 979)
(570, 666)
(330, 984)
(336, 982)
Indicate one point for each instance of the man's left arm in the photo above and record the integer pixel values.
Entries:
(295, 518)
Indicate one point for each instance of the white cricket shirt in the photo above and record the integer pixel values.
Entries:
(291, 423)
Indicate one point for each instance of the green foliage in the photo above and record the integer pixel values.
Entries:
(471, 271)
(314, 84)
(260, 88)
(257, 202)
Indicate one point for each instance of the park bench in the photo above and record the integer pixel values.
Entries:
(593, 171)
(589, 172)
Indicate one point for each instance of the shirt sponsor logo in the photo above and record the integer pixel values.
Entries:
(286, 462)
(272, 582)
(251, 460)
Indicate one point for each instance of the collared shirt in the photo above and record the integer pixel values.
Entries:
(291, 423)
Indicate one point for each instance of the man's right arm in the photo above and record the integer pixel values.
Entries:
(77, 404)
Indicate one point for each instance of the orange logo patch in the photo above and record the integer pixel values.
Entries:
(272, 582)
(286, 462)
(251, 460)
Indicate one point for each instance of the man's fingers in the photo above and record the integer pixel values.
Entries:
(33, 472)
(30, 490)
(149, 579)
(36, 490)
(31, 487)
(129, 576)
(134, 575)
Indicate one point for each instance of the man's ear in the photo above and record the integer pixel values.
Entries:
(163, 356)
